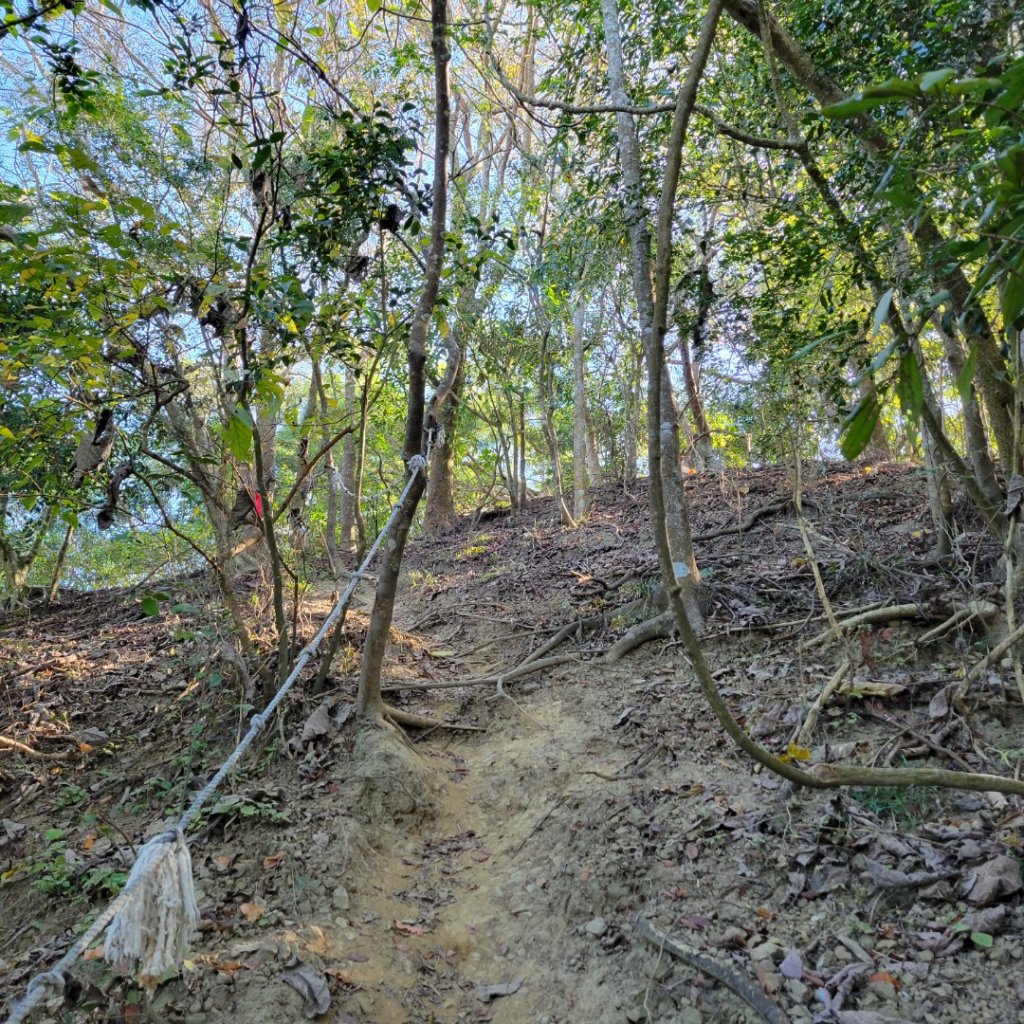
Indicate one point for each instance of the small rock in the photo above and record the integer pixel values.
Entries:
(884, 990)
(637, 1014)
(768, 950)
(596, 928)
(798, 991)
(339, 898)
(690, 1015)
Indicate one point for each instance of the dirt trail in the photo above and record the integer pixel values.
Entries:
(391, 880)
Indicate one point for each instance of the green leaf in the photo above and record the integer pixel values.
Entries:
(238, 436)
(967, 85)
(966, 376)
(12, 213)
(881, 312)
(910, 386)
(859, 425)
(1013, 294)
(882, 358)
(811, 346)
(853, 105)
(937, 77)
(150, 605)
(982, 940)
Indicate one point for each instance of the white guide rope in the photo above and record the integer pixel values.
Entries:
(162, 942)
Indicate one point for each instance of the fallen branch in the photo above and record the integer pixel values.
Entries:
(959, 619)
(896, 611)
(24, 748)
(993, 656)
(803, 734)
(733, 980)
(629, 771)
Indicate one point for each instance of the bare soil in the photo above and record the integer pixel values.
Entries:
(457, 875)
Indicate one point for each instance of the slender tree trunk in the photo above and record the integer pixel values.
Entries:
(58, 568)
(439, 512)
(665, 473)
(547, 404)
(524, 490)
(351, 447)
(631, 415)
(593, 450)
(369, 703)
(330, 474)
(580, 483)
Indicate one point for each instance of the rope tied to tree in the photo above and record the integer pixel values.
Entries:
(152, 918)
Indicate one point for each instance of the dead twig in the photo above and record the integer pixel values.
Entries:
(628, 772)
(24, 748)
(803, 734)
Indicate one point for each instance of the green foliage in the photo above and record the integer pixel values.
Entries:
(906, 807)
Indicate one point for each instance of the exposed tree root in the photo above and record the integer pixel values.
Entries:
(661, 627)
(579, 626)
(503, 677)
(410, 721)
(747, 523)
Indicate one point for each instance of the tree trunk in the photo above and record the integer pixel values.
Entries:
(593, 451)
(439, 513)
(547, 404)
(58, 568)
(580, 484)
(663, 417)
(369, 703)
(631, 415)
(350, 449)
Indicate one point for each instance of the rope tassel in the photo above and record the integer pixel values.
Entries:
(152, 928)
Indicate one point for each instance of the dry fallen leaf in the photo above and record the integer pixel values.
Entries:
(252, 912)
(311, 985)
(229, 968)
(273, 861)
(485, 993)
(409, 929)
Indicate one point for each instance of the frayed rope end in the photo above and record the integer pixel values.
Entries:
(152, 929)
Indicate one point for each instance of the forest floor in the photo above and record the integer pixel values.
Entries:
(498, 875)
